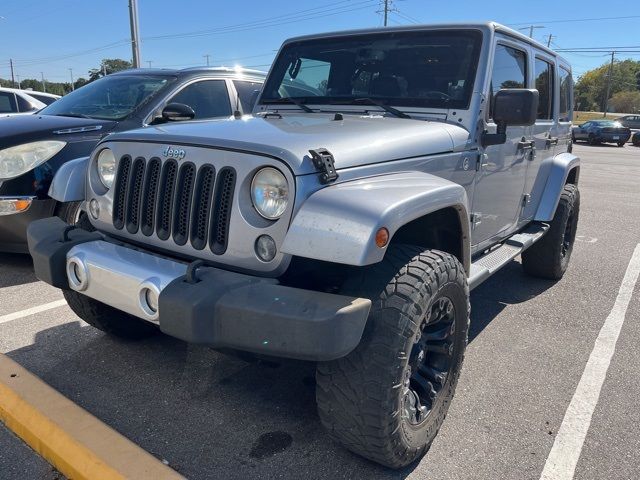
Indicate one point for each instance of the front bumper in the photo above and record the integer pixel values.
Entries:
(13, 226)
(219, 308)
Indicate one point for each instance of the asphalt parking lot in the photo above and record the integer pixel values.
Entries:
(213, 416)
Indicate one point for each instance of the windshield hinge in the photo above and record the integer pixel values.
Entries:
(323, 161)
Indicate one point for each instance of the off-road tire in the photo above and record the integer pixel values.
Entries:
(549, 257)
(361, 397)
(72, 213)
(108, 319)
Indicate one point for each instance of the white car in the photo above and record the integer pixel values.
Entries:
(18, 102)
(44, 97)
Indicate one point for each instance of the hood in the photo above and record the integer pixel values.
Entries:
(31, 128)
(354, 140)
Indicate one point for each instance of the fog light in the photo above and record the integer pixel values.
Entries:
(265, 248)
(94, 208)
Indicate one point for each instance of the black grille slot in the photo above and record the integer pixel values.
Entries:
(225, 186)
(182, 207)
(134, 192)
(202, 206)
(165, 199)
(120, 192)
(149, 196)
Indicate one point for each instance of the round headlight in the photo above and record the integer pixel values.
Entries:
(106, 165)
(270, 193)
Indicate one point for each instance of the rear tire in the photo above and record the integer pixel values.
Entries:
(387, 399)
(621, 144)
(549, 257)
(108, 319)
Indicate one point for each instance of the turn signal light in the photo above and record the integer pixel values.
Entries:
(14, 205)
(382, 237)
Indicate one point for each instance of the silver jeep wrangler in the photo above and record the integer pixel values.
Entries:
(383, 174)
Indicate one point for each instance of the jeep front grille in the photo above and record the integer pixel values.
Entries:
(177, 202)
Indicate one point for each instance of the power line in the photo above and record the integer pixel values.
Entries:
(577, 20)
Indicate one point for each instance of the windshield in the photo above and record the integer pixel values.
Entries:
(110, 98)
(428, 69)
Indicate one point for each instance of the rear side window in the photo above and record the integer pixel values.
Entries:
(43, 98)
(544, 85)
(24, 105)
(246, 93)
(208, 98)
(8, 102)
(566, 100)
(509, 69)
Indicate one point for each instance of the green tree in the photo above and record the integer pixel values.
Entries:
(108, 65)
(626, 102)
(591, 88)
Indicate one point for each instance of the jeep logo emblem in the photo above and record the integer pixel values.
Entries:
(177, 153)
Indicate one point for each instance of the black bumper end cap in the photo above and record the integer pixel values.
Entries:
(49, 250)
(230, 310)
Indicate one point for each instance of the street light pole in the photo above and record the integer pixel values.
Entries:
(44, 86)
(71, 75)
(606, 96)
(135, 34)
(13, 80)
(19, 86)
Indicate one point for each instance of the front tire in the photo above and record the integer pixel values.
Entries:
(549, 257)
(387, 399)
(108, 319)
(621, 144)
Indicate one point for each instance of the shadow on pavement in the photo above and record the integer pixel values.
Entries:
(16, 269)
(215, 416)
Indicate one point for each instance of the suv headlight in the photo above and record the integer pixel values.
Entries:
(14, 161)
(106, 166)
(270, 193)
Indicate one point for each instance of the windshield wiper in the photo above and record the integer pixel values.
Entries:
(298, 103)
(74, 115)
(385, 107)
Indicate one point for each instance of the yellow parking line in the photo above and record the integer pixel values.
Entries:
(67, 436)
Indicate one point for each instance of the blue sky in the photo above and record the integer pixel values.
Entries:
(54, 36)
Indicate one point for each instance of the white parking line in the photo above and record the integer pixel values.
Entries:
(563, 458)
(32, 311)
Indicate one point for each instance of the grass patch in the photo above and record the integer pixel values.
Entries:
(581, 117)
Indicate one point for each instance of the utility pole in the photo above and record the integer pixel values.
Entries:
(71, 75)
(135, 34)
(13, 80)
(609, 75)
(549, 40)
(104, 69)
(149, 62)
(387, 6)
(531, 28)
(44, 86)
(19, 86)
(207, 57)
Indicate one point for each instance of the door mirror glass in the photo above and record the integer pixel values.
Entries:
(515, 107)
(177, 112)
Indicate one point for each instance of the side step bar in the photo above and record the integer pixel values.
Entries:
(489, 263)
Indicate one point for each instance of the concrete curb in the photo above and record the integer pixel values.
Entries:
(67, 436)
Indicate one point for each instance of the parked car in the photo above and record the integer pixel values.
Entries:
(636, 139)
(343, 223)
(18, 102)
(34, 147)
(44, 97)
(630, 121)
(601, 131)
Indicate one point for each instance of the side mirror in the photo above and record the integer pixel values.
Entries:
(511, 107)
(177, 112)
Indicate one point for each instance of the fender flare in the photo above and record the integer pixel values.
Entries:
(69, 181)
(338, 223)
(561, 166)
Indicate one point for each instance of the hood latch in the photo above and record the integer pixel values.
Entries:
(323, 161)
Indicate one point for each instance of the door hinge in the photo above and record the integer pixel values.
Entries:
(475, 220)
(323, 161)
(526, 198)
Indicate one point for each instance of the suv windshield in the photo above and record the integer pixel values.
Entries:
(110, 98)
(428, 69)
